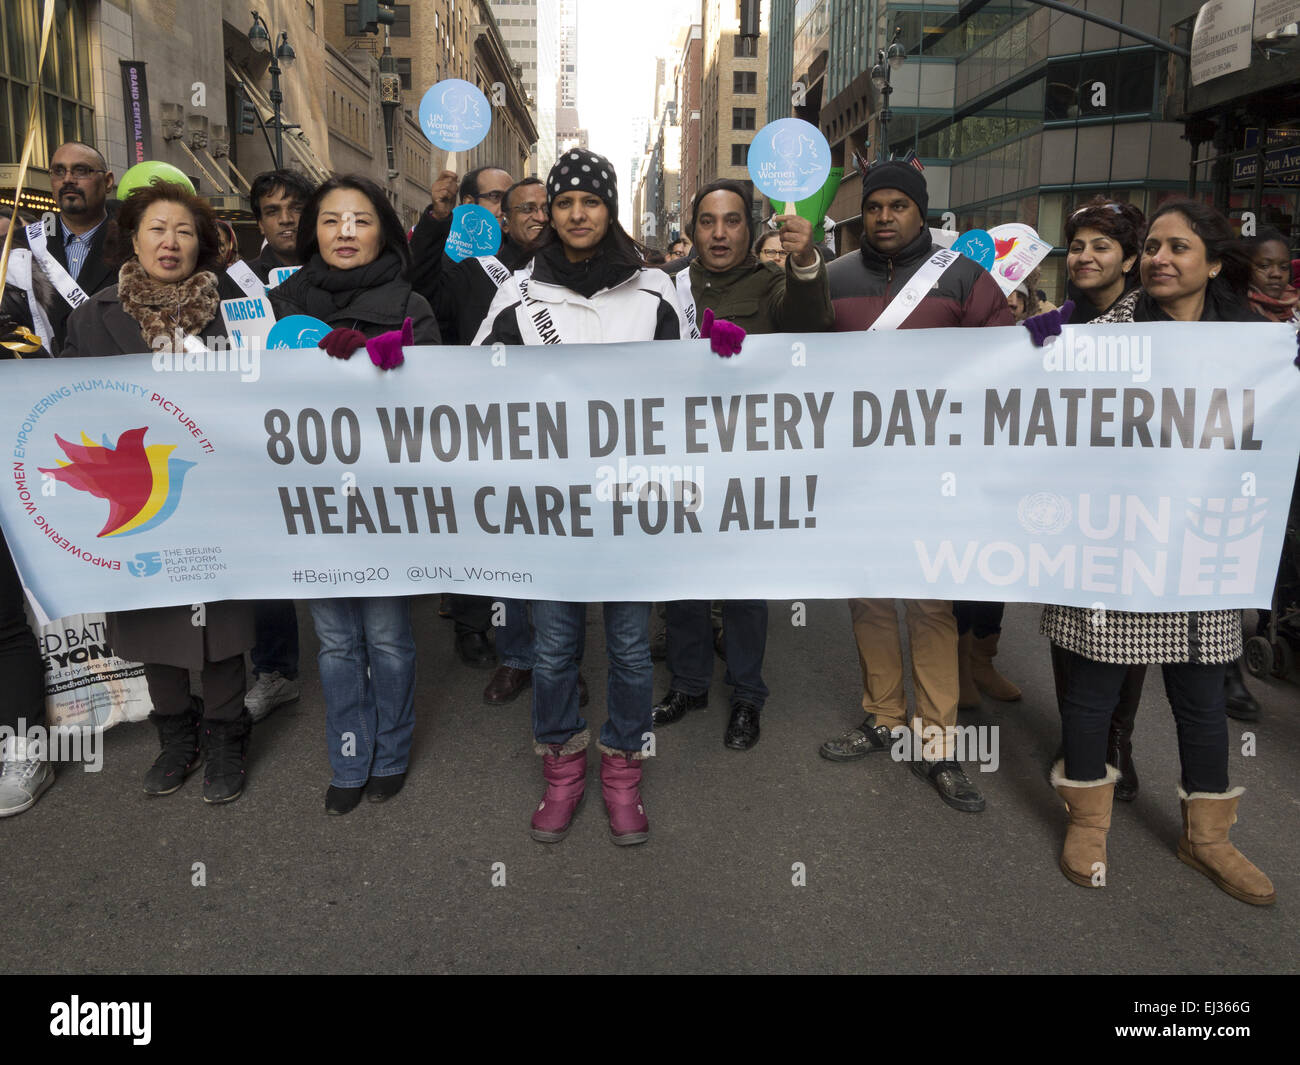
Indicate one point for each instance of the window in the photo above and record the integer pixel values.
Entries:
(744, 81)
(743, 118)
(746, 47)
(740, 155)
(66, 112)
(404, 72)
(311, 15)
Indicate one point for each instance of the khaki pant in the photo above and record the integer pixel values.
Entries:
(932, 632)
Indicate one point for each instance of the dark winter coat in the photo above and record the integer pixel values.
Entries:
(165, 635)
(375, 310)
(96, 274)
(864, 283)
(761, 297)
(265, 263)
(464, 292)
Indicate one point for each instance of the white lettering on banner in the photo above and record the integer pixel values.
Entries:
(72, 293)
(646, 471)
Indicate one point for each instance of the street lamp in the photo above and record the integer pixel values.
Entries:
(887, 61)
(259, 38)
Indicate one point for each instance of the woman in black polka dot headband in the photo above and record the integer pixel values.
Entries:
(579, 170)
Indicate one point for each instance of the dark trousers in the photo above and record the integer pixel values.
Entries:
(744, 637)
(471, 613)
(22, 671)
(979, 619)
(276, 650)
(223, 689)
(1195, 692)
(1130, 692)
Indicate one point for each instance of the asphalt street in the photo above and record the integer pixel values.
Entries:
(100, 879)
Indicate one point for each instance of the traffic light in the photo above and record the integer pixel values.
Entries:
(371, 14)
(247, 124)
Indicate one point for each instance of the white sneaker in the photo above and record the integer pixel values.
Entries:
(22, 779)
(270, 691)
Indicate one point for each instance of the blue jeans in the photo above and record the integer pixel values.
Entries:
(367, 673)
(559, 630)
(515, 637)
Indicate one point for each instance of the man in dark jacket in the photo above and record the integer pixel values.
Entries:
(79, 181)
(277, 198)
(467, 288)
(726, 278)
(898, 257)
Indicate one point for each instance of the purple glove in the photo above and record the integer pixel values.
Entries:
(341, 343)
(386, 349)
(1048, 324)
(724, 337)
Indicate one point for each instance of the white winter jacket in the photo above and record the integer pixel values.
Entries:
(534, 310)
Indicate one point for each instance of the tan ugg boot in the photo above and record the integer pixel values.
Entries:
(1087, 803)
(968, 696)
(1205, 846)
(987, 678)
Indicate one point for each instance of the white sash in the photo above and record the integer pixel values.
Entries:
(687, 299)
(536, 323)
(20, 274)
(62, 280)
(906, 301)
(242, 274)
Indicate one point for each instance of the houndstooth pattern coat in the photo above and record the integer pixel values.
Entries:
(1207, 637)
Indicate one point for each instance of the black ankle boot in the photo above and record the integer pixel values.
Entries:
(1119, 753)
(178, 736)
(226, 744)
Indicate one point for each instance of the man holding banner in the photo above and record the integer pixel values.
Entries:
(727, 280)
(901, 279)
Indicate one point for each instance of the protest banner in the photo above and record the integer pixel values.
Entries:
(1144, 467)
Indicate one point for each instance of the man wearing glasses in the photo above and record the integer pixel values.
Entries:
(487, 186)
(79, 181)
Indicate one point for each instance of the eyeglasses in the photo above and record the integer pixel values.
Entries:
(80, 171)
(525, 209)
(495, 197)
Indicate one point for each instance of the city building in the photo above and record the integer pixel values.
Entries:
(688, 85)
(531, 31)
(733, 94)
(1018, 112)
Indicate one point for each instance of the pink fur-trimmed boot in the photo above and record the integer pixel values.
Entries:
(620, 783)
(565, 768)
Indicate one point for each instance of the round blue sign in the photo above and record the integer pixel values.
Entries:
(474, 231)
(789, 160)
(978, 245)
(454, 115)
(297, 331)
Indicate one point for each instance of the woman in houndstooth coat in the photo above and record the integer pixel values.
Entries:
(1192, 270)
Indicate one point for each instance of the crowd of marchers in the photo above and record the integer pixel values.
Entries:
(159, 263)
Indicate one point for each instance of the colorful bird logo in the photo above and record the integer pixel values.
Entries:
(1002, 248)
(142, 484)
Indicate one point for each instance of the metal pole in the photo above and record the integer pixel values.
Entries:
(277, 97)
(1111, 24)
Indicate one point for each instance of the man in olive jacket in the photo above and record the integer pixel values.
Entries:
(726, 278)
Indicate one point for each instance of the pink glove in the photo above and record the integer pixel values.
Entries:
(724, 337)
(386, 349)
(341, 342)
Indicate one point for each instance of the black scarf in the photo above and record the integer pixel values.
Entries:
(586, 278)
(1085, 310)
(324, 291)
(1221, 305)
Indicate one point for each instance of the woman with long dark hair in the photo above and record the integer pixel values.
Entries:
(1192, 270)
(589, 284)
(354, 278)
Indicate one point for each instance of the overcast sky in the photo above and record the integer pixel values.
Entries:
(617, 46)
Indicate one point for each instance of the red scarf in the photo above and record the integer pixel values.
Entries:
(1280, 310)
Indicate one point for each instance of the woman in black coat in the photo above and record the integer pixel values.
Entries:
(354, 278)
(167, 294)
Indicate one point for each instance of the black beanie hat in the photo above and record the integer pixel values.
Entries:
(893, 174)
(578, 170)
